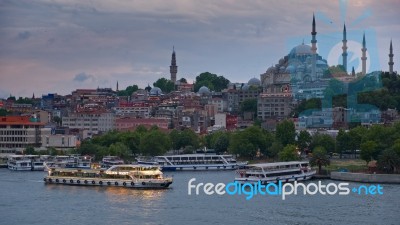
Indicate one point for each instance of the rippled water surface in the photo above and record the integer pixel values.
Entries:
(25, 199)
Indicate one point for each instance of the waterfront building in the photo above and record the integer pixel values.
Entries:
(19, 132)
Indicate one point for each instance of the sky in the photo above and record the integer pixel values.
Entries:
(57, 46)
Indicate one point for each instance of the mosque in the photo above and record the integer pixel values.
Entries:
(302, 71)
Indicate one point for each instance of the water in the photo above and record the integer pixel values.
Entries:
(25, 199)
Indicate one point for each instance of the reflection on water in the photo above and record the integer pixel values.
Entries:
(126, 193)
(115, 194)
(25, 199)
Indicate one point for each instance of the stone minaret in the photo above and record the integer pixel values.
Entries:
(313, 49)
(173, 69)
(364, 57)
(344, 48)
(353, 72)
(391, 58)
(117, 87)
(314, 40)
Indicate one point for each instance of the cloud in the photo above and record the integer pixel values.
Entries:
(24, 35)
(82, 77)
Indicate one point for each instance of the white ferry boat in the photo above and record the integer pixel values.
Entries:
(130, 176)
(69, 161)
(274, 172)
(109, 161)
(19, 162)
(194, 162)
(38, 162)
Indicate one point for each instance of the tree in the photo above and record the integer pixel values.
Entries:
(181, 139)
(389, 161)
(57, 120)
(221, 143)
(396, 147)
(131, 140)
(128, 91)
(275, 148)
(154, 143)
(212, 81)
(368, 151)
(52, 151)
(304, 140)
(323, 140)
(342, 142)
(248, 142)
(165, 85)
(249, 105)
(285, 132)
(119, 149)
(3, 112)
(307, 106)
(319, 158)
(289, 153)
(24, 100)
(30, 151)
(356, 134)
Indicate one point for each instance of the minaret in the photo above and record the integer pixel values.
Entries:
(313, 49)
(33, 96)
(353, 72)
(117, 87)
(173, 69)
(314, 40)
(344, 48)
(364, 57)
(391, 58)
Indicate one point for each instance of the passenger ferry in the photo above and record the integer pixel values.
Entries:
(19, 162)
(130, 176)
(38, 162)
(274, 172)
(69, 161)
(109, 161)
(194, 162)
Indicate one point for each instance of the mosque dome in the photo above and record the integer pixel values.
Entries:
(290, 69)
(204, 90)
(301, 68)
(321, 62)
(254, 82)
(155, 91)
(301, 50)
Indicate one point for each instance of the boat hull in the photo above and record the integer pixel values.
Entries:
(151, 184)
(202, 167)
(289, 178)
(19, 168)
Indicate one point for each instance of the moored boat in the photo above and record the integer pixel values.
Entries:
(194, 162)
(130, 176)
(274, 172)
(109, 161)
(19, 162)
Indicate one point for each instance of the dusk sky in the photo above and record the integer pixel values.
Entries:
(57, 46)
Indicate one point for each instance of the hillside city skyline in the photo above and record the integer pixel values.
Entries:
(70, 53)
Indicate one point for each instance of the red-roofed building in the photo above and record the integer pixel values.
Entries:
(129, 123)
(19, 132)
